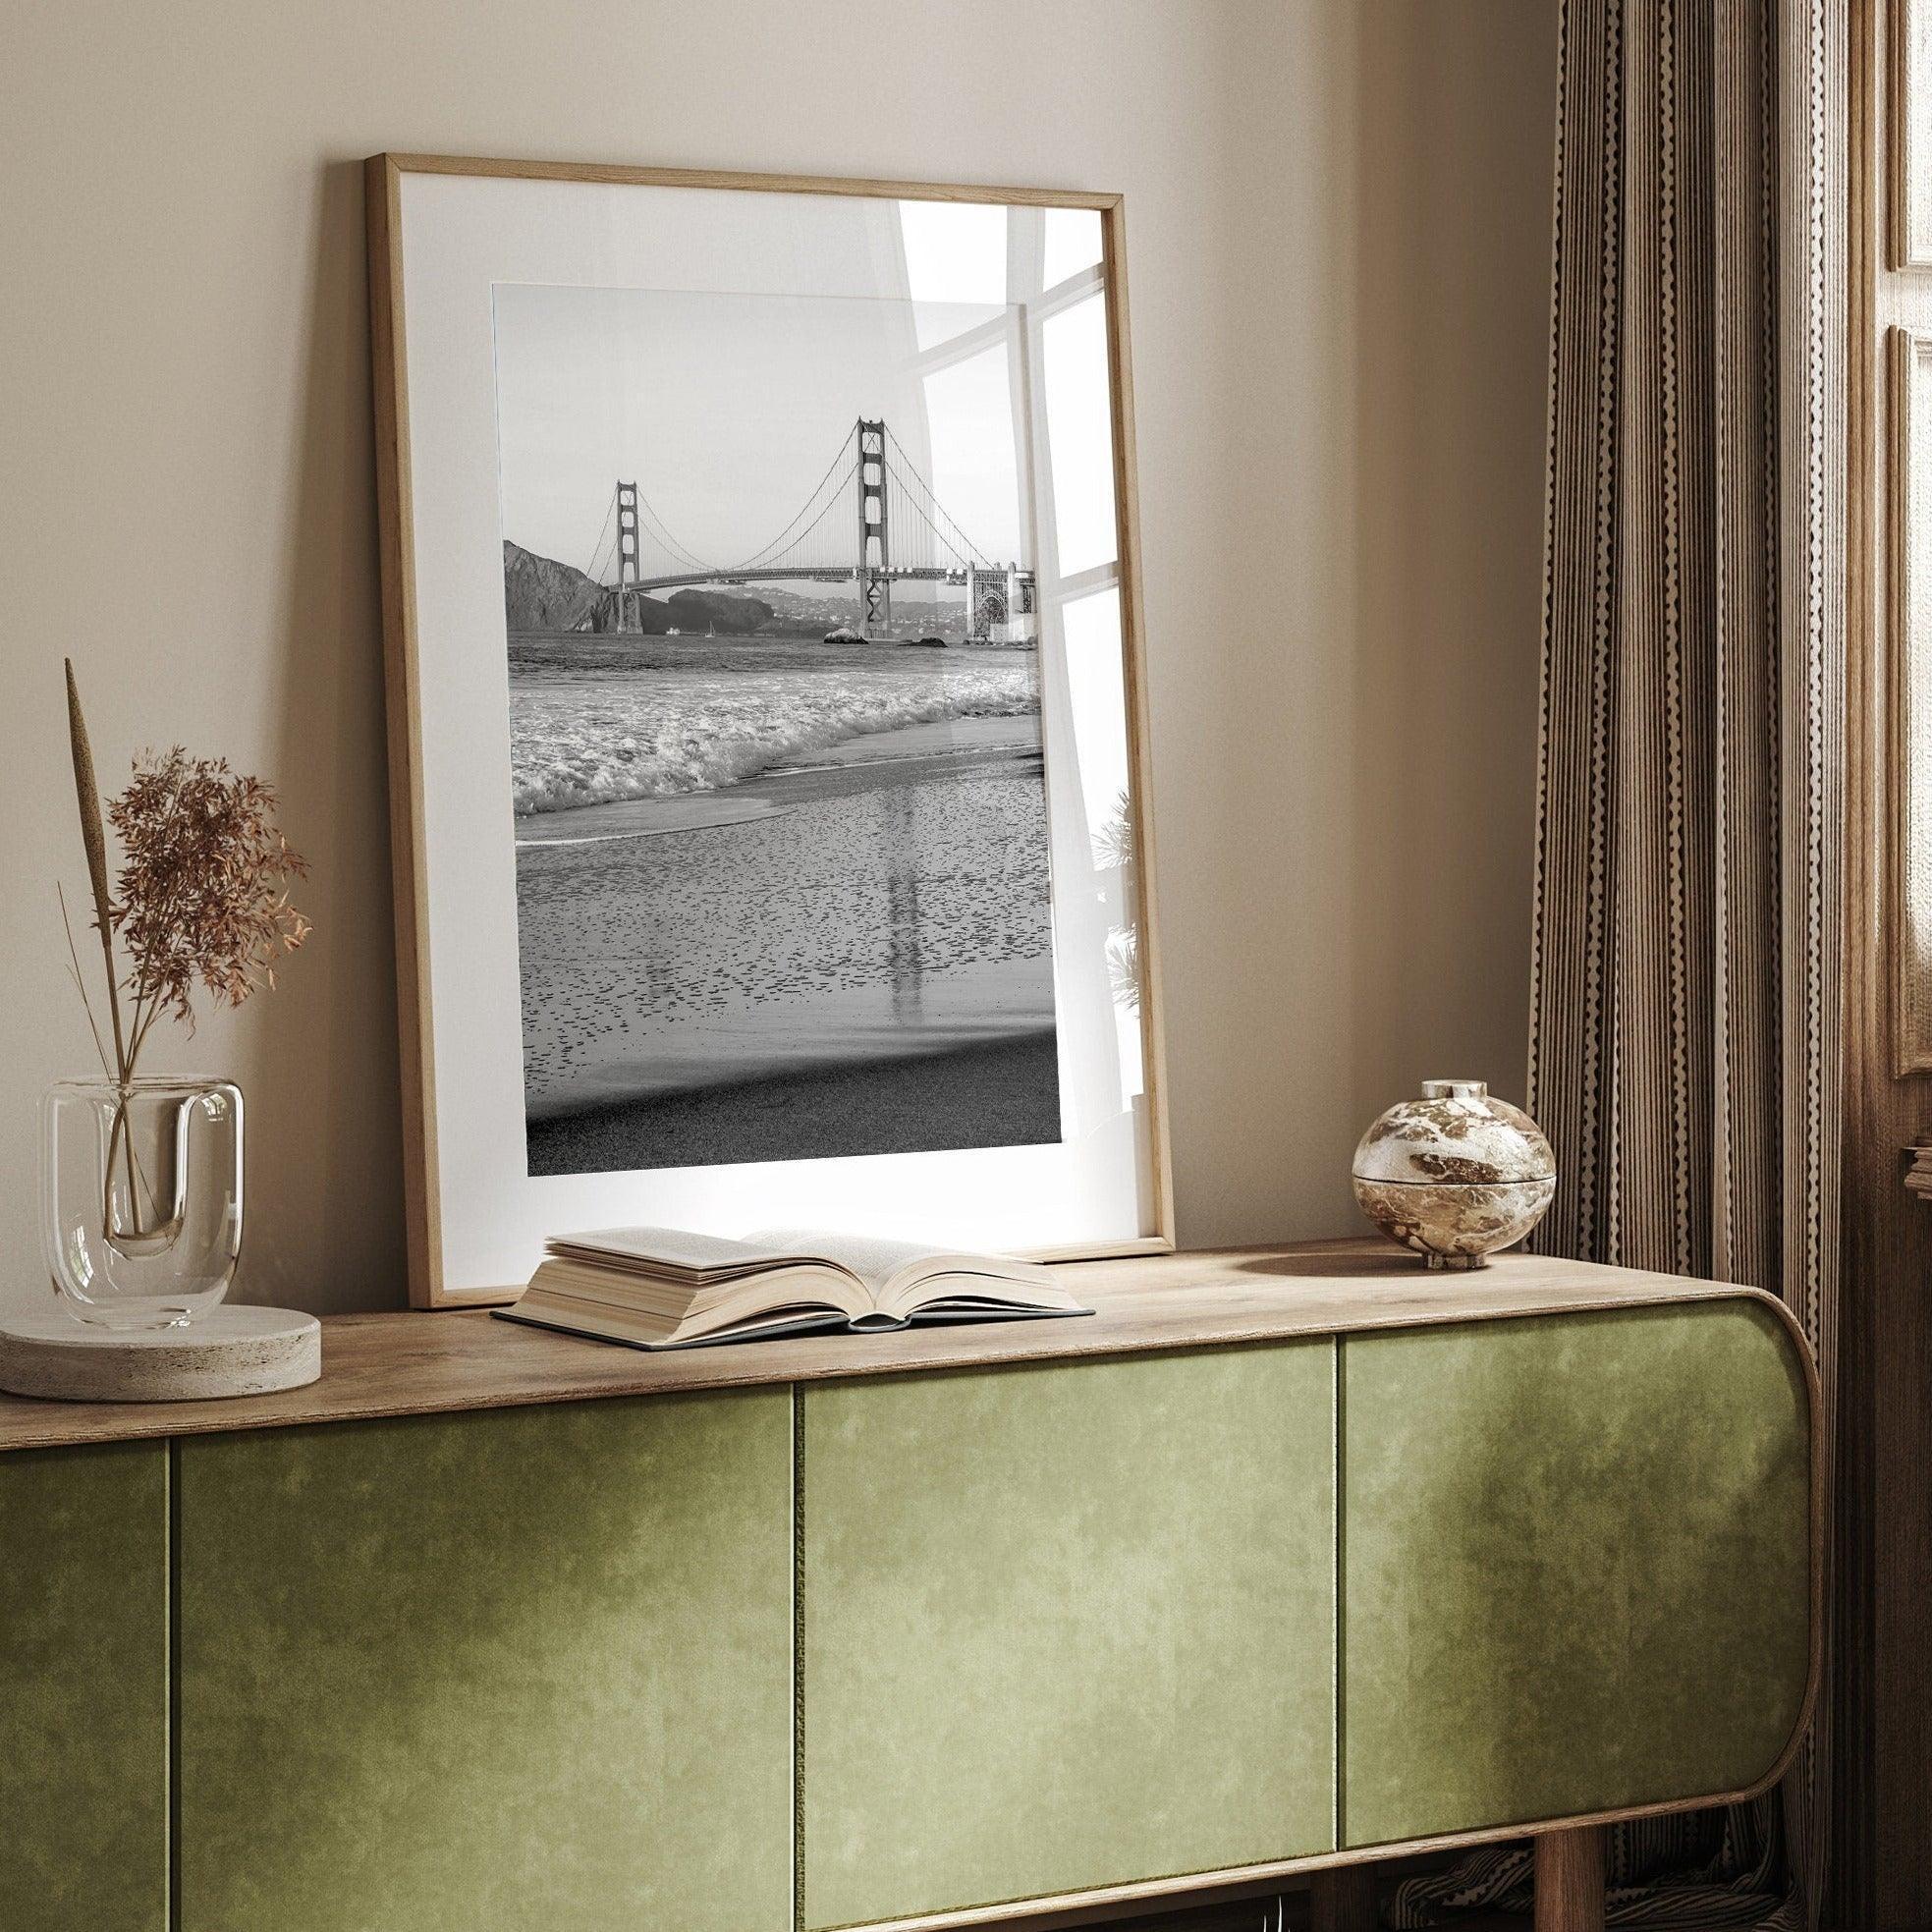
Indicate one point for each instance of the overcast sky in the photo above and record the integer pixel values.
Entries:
(727, 409)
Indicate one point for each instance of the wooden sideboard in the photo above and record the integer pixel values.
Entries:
(1282, 1560)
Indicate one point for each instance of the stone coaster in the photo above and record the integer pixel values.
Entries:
(228, 1351)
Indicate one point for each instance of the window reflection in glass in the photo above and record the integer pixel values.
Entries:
(1096, 692)
(956, 252)
(1080, 435)
(1073, 243)
(974, 462)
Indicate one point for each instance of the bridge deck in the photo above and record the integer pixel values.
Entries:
(823, 574)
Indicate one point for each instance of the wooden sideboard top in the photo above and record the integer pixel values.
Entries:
(425, 1364)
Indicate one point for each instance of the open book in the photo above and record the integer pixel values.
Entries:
(663, 1288)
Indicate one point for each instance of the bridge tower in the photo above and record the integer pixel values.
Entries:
(989, 600)
(875, 543)
(629, 570)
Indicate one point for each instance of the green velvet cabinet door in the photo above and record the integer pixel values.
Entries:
(83, 1689)
(1575, 1570)
(1064, 1626)
(495, 1670)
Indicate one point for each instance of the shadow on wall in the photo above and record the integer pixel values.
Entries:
(1453, 170)
(320, 1072)
(1346, 879)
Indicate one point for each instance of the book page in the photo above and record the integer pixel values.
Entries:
(679, 1246)
(874, 1258)
(887, 1266)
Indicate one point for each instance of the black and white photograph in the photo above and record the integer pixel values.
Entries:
(781, 825)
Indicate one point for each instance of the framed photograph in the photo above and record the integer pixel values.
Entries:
(767, 727)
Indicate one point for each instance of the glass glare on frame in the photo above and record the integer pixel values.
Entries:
(1081, 433)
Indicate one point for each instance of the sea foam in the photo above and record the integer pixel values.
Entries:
(581, 741)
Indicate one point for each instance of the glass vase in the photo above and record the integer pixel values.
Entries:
(140, 1197)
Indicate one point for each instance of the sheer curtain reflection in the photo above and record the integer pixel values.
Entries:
(1017, 297)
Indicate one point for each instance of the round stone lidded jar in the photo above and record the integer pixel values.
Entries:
(1454, 1175)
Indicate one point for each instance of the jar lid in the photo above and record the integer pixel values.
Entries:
(1455, 1089)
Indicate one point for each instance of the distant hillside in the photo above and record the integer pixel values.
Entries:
(709, 610)
(542, 594)
(539, 594)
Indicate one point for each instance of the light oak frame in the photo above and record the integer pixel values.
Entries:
(383, 179)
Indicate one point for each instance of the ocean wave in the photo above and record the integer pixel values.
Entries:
(584, 742)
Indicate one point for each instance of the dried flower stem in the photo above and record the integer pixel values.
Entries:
(80, 984)
(93, 837)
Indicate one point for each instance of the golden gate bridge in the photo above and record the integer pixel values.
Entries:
(872, 520)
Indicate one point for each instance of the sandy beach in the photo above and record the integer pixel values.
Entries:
(847, 951)
(995, 1089)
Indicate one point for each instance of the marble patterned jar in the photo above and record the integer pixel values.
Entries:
(1454, 1175)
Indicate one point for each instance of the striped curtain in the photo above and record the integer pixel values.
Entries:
(1685, 995)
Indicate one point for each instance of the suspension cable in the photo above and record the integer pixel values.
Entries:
(780, 542)
(965, 544)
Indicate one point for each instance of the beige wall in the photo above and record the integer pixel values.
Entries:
(1339, 238)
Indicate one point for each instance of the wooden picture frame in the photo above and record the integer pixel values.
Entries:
(430, 1163)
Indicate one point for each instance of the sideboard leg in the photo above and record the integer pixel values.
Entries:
(1569, 1879)
(1342, 1899)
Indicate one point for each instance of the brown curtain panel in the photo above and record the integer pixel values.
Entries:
(1685, 997)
